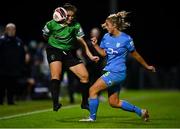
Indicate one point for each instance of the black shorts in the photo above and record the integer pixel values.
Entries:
(68, 58)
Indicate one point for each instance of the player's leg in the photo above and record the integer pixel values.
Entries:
(55, 69)
(81, 72)
(102, 83)
(115, 102)
(55, 57)
(98, 86)
(114, 80)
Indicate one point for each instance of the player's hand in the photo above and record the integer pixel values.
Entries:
(94, 41)
(151, 68)
(95, 58)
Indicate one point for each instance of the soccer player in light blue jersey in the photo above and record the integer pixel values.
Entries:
(115, 46)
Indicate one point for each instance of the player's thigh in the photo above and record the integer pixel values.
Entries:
(54, 57)
(98, 86)
(80, 71)
(55, 69)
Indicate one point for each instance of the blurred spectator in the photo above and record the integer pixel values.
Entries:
(12, 63)
(38, 87)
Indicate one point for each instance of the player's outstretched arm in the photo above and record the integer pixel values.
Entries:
(89, 54)
(100, 50)
(139, 58)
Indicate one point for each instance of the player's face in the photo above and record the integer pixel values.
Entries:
(110, 27)
(70, 16)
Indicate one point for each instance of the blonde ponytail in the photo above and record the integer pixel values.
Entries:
(118, 19)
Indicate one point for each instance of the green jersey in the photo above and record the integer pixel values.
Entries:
(62, 36)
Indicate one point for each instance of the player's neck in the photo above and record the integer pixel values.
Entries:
(116, 33)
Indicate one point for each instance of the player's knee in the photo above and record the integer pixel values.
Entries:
(84, 78)
(54, 76)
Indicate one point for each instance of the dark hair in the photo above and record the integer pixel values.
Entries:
(118, 19)
(70, 7)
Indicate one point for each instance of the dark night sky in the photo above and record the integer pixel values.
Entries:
(154, 23)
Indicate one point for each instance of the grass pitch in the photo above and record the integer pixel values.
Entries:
(163, 106)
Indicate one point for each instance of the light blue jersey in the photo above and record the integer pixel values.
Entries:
(117, 49)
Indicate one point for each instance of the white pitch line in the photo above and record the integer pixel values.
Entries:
(34, 112)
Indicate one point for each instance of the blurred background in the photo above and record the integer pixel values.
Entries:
(154, 28)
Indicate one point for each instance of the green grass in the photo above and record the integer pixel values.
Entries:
(164, 108)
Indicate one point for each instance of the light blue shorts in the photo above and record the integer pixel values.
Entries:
(114, 80)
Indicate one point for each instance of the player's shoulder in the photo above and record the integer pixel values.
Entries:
(126, 37)
(51, 23)
(76, 24)
(106, 35)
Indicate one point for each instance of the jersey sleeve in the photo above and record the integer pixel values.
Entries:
(130, 45)
(46, 29)
(79, 31)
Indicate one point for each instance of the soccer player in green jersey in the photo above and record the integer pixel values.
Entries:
(62, 38)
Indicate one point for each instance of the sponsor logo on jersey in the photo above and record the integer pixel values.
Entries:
(112, 51)
(118, 44)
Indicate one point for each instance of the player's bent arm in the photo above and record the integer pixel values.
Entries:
(100, 50)
(140, 59)
(85, 47)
